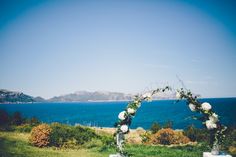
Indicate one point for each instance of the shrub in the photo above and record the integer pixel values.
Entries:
(229, 142)
(40, 135)
(195, 134)
(32, 121)
(180, 138)
(107, 141)
(191, 132)
(62, 135)
(232, 150)
(145, 137)
(167, 137)
(155, 127)
(83, 134)
(168, 124)
(163, 136)
(17, 119)
(4, 118)
(24, 128)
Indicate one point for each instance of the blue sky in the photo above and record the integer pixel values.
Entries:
(50, 48)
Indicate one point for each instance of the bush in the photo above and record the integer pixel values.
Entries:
(232, 150)
(107, 142)
(191, 132)
(167, 137)
(64, 135)
(40, 135)
(155, 127)
(195, 134)
(180, 138)
(23, 128)
(60, 134)
(83, 134)
(17, 119)
(4, 118)
(168, 124)
(32, 121)
(229, 142)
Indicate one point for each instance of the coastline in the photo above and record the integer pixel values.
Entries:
(125, 100)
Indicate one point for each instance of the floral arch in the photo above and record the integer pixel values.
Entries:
(210, 119)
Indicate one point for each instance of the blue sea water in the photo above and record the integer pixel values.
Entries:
(104, 114)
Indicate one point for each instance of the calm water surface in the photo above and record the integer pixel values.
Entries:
(104, 114)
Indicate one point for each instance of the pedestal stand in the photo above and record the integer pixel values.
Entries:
(119, 142)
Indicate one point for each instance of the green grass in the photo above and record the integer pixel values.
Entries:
(16, 144)
(13, 144)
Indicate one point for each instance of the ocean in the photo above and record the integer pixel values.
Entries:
(104, 114)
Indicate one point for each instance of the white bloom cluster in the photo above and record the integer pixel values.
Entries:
(192, 107)
(147, 95)
(124, 128)
(177, 95)
(210, 125)
(214, 118)
(206, 106)
(122, 115)
(130, 110)
(138, 104)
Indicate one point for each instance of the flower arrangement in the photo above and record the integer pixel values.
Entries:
(210, 119)
(125, 117)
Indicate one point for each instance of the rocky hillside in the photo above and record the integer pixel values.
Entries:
(91, 96)
(7, 96)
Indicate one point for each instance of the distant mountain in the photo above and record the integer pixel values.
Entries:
(7, 96)
(39, 99)
(91, 96)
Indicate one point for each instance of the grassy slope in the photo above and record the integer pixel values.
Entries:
(15, 144)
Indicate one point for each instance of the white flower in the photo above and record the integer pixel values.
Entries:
(147, 95)
(192, 107)
(122, 115)
(138, 104)
(210, 125)
(130, 110)
(214, 118)
(124, 128)
(206, 106)
(177, 95)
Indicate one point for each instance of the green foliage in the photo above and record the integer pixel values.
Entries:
(16, 122)
(83, 134)
(191, 132)
(230, 139)
(155, 127)
(32, 121)
(23, 128)
(195, 134)
(13, 144)
(107, 142)
(168, 124)
(63, 134)
(4, 118)
(60, 134)
(17, 119)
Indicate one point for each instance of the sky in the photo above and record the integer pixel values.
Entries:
(50, 48)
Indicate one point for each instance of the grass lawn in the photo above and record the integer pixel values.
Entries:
(16, 144)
